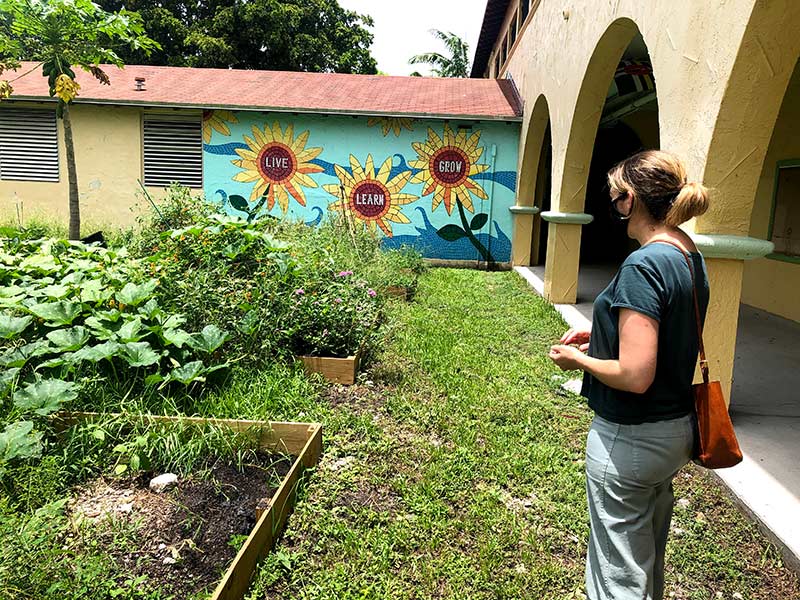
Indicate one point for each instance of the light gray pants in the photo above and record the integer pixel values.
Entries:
(629, 472)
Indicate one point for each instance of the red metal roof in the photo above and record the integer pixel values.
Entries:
(288, 91)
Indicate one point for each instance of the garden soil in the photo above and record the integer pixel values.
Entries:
(186, 537)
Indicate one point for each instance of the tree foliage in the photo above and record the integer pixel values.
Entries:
(288, 35)
(455, 65)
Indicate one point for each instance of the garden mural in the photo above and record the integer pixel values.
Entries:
(442, 187)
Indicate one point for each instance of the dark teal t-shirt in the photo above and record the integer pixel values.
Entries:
(655, 281)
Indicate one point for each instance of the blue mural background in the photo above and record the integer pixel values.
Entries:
(231, 150)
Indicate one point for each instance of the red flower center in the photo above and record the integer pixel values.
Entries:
(450, 166)
(370, 199)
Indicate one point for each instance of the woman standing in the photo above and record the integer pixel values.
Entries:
(642, 351)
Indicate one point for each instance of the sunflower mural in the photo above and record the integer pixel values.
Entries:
(395, 124)
(447, 165)
(217, 120)
(372, 198)
(278, 163)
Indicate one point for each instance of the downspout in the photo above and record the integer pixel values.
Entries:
(491, 202)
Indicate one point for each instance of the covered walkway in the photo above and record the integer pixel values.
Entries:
(765, 407)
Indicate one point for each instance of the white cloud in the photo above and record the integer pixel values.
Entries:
(402, 29)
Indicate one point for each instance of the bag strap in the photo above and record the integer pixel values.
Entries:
(703, 360)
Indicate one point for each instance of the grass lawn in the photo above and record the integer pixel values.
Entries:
(456, 470)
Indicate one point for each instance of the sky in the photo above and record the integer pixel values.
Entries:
(402, 28)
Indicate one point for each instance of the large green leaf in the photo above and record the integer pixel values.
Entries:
(12, 302)
(57, 313)
(95, 291)
(10, 291)
(46, 396)
(106, 351)
(12, 326)
(18, 357)
(68, 340)
(176, 337)
(40, 262)
(19, 440)
(134, 294)
(7, 379)
(188, 373)
(139, 354)
(56, 291)
(131, 331)
(151, 310)
(207, 340)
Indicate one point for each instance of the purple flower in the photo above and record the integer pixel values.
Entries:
(344, 273)
(372, 293)
(299, 292)
(338, 300)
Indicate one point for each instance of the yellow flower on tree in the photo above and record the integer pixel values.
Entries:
(276, 159)
(66, 88)
(396, 124)
(369, 196)
(216, 120)
(446, 167)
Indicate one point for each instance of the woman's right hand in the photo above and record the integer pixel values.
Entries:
(577, 336)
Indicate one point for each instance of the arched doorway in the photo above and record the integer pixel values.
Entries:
(616, 115)
(533, 196)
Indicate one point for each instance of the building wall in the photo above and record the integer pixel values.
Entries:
(721, 71)
(408, 203)
(769, 283)
(400, 177)
(108, 155)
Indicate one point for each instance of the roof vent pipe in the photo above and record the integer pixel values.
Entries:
(139, 85)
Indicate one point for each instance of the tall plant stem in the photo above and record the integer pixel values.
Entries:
(72, 177)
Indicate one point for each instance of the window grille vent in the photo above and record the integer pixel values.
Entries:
(173, 151)
(28, 145)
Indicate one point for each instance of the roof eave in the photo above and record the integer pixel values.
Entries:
(280, 109)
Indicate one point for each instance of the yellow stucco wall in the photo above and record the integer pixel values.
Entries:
(108, 154)
(770, 284)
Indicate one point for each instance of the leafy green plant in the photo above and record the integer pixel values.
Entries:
(69, 309)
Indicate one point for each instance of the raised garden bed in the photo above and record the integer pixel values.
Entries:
(335, 370)
(302, 441)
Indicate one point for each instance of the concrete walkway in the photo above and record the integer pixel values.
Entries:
(765, 409)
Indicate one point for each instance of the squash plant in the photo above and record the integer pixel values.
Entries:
(69, 310)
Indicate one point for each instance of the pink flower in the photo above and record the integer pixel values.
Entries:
(338, 300)
(344, 273)
(372, 293)
(299, 292)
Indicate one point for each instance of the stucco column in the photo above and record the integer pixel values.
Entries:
(725, 256)
(563, 255)
(523, 234)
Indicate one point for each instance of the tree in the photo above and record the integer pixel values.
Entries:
(456, 65)
(59, 35)
(283, 35)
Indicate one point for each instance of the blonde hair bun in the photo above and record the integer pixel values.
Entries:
(691, 201)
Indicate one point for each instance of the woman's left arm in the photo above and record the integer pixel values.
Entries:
(635, 369)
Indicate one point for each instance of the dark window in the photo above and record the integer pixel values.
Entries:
(28, 145)
(785, 226)
(173, 151)
(524, 7)
(513, 33)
